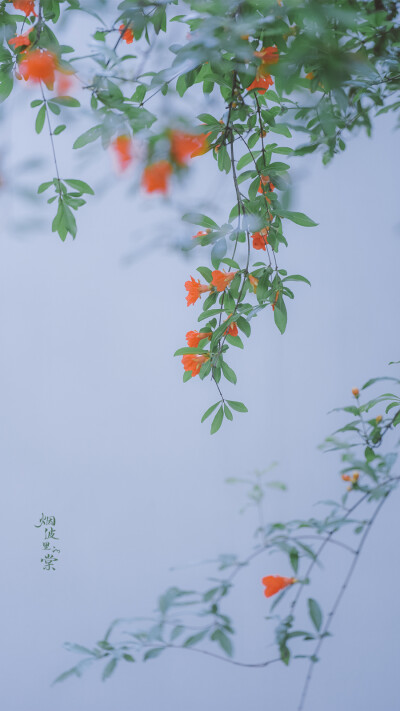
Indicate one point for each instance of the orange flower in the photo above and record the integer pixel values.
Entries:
(193, 362)
(260, 240)
(268, 55)
(195, 290)
(122, 146)
(26, 6)
(202, 145)
(353, 479)
(355, 392)
(185, 145)
(126, 33)
(232, 330)
(201, 233)
(264, 181)
(253, 281)
(20, 40)
(193, 338)
(156, 177)
(276, 299)
(276, 583)
(221, 279)
(262, 82)
(310, 75)
(39, 66)
(64, 83)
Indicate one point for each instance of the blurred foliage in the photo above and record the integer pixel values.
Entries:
(197, 620)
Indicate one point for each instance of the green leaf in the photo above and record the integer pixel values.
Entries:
(128, 657)
(108, 669)
(280, 315)
(65, 675)
(228, 372)
(205, 273)
(153, 653)
(230, 263)
(186, 350)
(238, 406)
(92, 134)
(66, 101)
(59, 129)
(294, 559)
(80, 186)
(181, 85)
(315, 613)
(6, 85)
(139, 93)
(223, 641)
(217, 421)
(54, 108)
(296, 277)
(209, 411)
(234, 341)
(190, 641)
(45, 186)
(196, 218)
(246, 159)
(298, 217)
(244, 326)
(209, 120)
(228, 413)
(281, 129)
(40, 119)
(176, 632)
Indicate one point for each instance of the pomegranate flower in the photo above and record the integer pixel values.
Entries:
(268, 55)
(276, 583)
(221, 279)
(20, 40)
(193, 338)
(260, 240)
(201, 233)
(262, 82)
(353, 479)
(253, 281)
(156, 177)
(39, 66)
(26, 6)
(265, 183)
(195, 290)
(122, 147)
(183, 145)
(232, 329)
(202, 145)
(126, 33)
(193, 362)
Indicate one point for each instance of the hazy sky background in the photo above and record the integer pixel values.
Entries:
(98, 429)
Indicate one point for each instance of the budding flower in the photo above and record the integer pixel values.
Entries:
(378, 419)
(355, 392)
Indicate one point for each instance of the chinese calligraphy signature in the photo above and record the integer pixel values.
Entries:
(49, 542)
